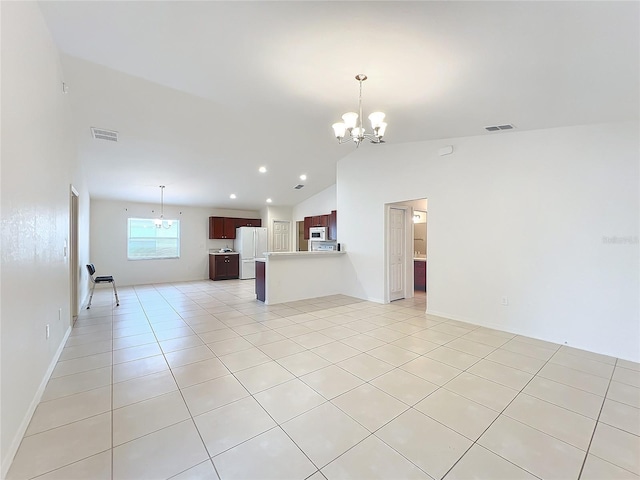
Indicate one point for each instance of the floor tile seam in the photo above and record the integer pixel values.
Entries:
(505, 366)
(582, 371)
(627, 384)
(78, 392)
(615, 426)
(40, 475)
(595, 427)
(208, 460)
(542, 375)
(635, 475)
(93, 415)
(400, 453)
(82, 371)
(379, 439)
(500, 414)
(213, 457)
(82, 355)
(114, 446)
(520, 467)
(359, 423)
(583, 357)
(550, 434)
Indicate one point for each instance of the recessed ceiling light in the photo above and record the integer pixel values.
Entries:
(233, 195)
(269, 200)
(303, 177)
(262, 169)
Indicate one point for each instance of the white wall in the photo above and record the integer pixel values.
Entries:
(321, 203)
(109, 242)
(39, 164)
(517, 214)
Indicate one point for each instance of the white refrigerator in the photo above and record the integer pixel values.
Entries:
(250, 243)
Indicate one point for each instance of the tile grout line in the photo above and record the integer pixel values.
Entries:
(475, 442)
(595, 426)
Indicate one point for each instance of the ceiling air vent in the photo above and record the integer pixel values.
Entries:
(102, 134)
(298, 187)
(497, 128)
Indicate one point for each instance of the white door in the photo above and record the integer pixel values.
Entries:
(396, 253)
(281, 236)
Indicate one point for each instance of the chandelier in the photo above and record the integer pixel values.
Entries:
(355, 131)
(161, 222)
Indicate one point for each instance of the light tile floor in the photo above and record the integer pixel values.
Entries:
(199, 380)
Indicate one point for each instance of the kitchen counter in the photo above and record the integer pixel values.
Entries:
(223, 253)
(301, 254)
(419, 259)
(291, 276)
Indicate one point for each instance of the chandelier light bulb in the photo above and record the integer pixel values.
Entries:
(381, 129)
(339, 129)
(350, 119)
(376, 119)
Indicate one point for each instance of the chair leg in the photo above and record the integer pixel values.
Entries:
(116, 292)
(91, 296)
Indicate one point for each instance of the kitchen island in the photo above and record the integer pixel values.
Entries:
(291, 276)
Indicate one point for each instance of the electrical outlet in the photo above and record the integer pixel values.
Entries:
(505, 301)
(47, 331)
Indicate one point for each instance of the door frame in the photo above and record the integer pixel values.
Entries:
(74, 260)
(408, 241)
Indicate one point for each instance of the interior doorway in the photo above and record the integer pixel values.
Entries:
(302, 243)
(406, 250)
(74, 267)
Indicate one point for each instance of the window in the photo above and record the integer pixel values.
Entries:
(146, 240)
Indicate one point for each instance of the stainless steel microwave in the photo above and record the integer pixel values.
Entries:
(318, 234)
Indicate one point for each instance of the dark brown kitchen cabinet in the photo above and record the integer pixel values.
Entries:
(307, 226)
(333, 225)
(420, 275)
(224, 267)
(248, 222)
(222, 228)
(225, 227)
(260, 281)
(315, 221)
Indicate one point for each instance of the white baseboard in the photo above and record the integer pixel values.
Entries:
(15, 444)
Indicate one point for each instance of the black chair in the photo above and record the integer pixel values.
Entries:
(102, 279)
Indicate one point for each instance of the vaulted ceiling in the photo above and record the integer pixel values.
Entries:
(204, 93)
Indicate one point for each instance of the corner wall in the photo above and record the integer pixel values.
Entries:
(548, 218)
(39, 164)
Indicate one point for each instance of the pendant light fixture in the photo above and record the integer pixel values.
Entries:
(352, 129)
(161, 222)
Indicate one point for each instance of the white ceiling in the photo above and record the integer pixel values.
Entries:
(203, 93)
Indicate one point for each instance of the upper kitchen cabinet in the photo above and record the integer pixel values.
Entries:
(322, 221)
(307, 226)
(221, 227)
(225, 227)
(248, 222)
